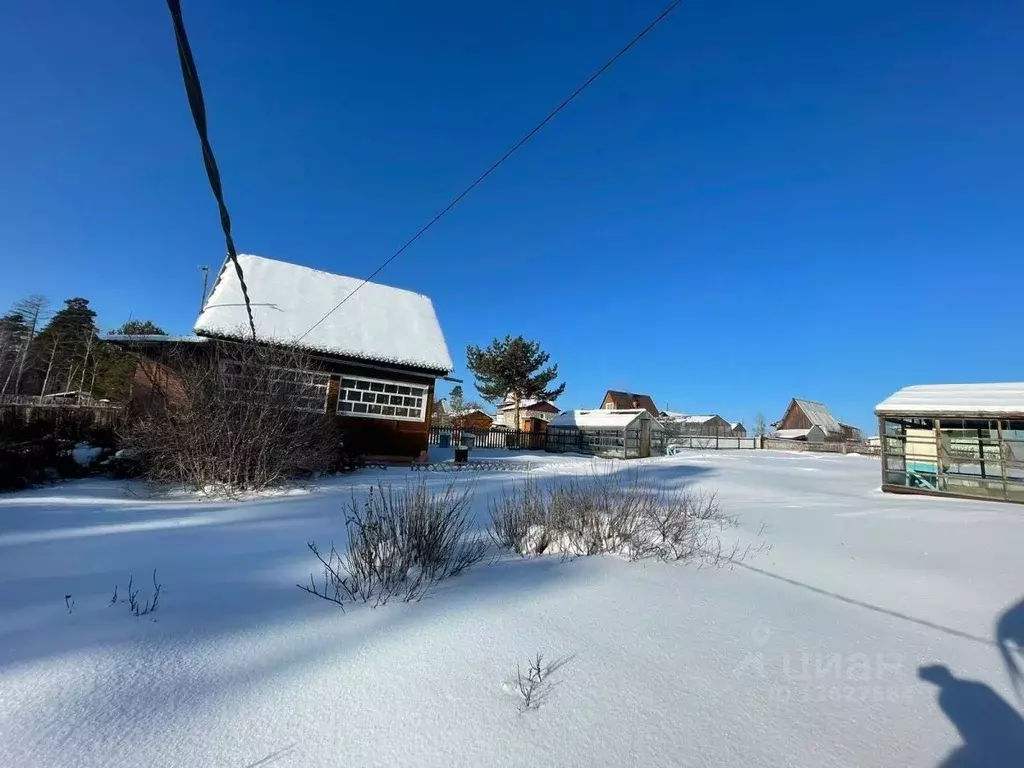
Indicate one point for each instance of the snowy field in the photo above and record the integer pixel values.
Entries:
(810, 653)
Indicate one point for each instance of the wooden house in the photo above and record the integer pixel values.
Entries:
(375, 351)
(738, 430)
(471, 418)
(708, 425)
(804, 414)
(529, 408)
(614, 400)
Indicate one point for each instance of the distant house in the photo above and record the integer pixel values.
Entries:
(544, 410)
(373, 355)
(812, 434)
(738, 430)
(615, 400)
(471, 418)
(707, 425)
(804, 414)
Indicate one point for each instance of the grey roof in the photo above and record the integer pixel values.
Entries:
(820, 416)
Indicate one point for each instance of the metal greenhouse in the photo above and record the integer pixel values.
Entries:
(954, 439)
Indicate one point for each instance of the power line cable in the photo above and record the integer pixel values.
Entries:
(195, 102)
(515, 147)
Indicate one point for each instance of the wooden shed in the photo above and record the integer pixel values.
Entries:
(954, 439)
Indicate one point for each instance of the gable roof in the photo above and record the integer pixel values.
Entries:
(819, 415)
(955, 400)
(603, 419)
(529, 405)
(378, 323)
(631, 401)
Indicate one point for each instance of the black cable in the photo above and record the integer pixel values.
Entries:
(195, 102)
(515, 147)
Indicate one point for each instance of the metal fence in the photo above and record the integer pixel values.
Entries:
(713, 443)
(510, 439)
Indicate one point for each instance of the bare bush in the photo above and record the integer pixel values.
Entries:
(620, 514)
(534, 685)
(227, 417)
(135, 605)
(399, 544)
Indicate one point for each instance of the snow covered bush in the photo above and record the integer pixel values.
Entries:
(620, 513)
(400, 542)
(229, 417)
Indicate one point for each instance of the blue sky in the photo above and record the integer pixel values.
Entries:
(761, 201)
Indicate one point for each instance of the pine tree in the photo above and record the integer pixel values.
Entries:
(13, 338)
(139, 328)
(513, 367)
(62, 352)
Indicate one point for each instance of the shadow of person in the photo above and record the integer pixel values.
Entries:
(1010, 637)
(991, 729)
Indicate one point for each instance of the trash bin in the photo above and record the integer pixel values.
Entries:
(469, 440)
(445, 440)
(461, 454)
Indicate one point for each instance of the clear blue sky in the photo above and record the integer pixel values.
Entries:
(762, 200)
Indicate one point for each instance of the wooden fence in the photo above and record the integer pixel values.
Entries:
(777, 444)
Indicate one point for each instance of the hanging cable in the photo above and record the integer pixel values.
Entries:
(195, 103)
(515, 147)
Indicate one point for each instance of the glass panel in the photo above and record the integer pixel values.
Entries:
(391, 388)
(348, 383)
(363, 384)
(411, 401)
(373, 409)
(387, 410)
(396, 400)
(402, 412)
(377, 386)
(343, 406)
(403, 390)
(359, 407)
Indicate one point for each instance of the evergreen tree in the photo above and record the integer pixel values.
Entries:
(62, 352)
(456, 400)
(14, 333)
(513, 367)
(139, 328)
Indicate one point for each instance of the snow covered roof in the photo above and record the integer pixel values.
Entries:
(794, 434)
(955, 400)
(603, 419)
(820, 416)
(468, 411)
(673, 415)
(735, 424)
(703, 419)
(378, 322)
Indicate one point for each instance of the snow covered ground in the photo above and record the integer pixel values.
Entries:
(808, 654)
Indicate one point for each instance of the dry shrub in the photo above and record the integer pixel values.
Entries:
(612, 514)
(229, 419)
(400, 543)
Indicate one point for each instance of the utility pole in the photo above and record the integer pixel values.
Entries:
(206, 277)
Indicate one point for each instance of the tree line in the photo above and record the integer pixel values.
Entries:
(44, 353)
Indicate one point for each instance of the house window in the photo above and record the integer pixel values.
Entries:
(380, 399)
(303, 390)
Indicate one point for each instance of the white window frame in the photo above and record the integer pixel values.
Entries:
(420, 391)
(239, 370)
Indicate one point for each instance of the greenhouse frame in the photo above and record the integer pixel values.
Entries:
(625, 434)
(954, 440)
